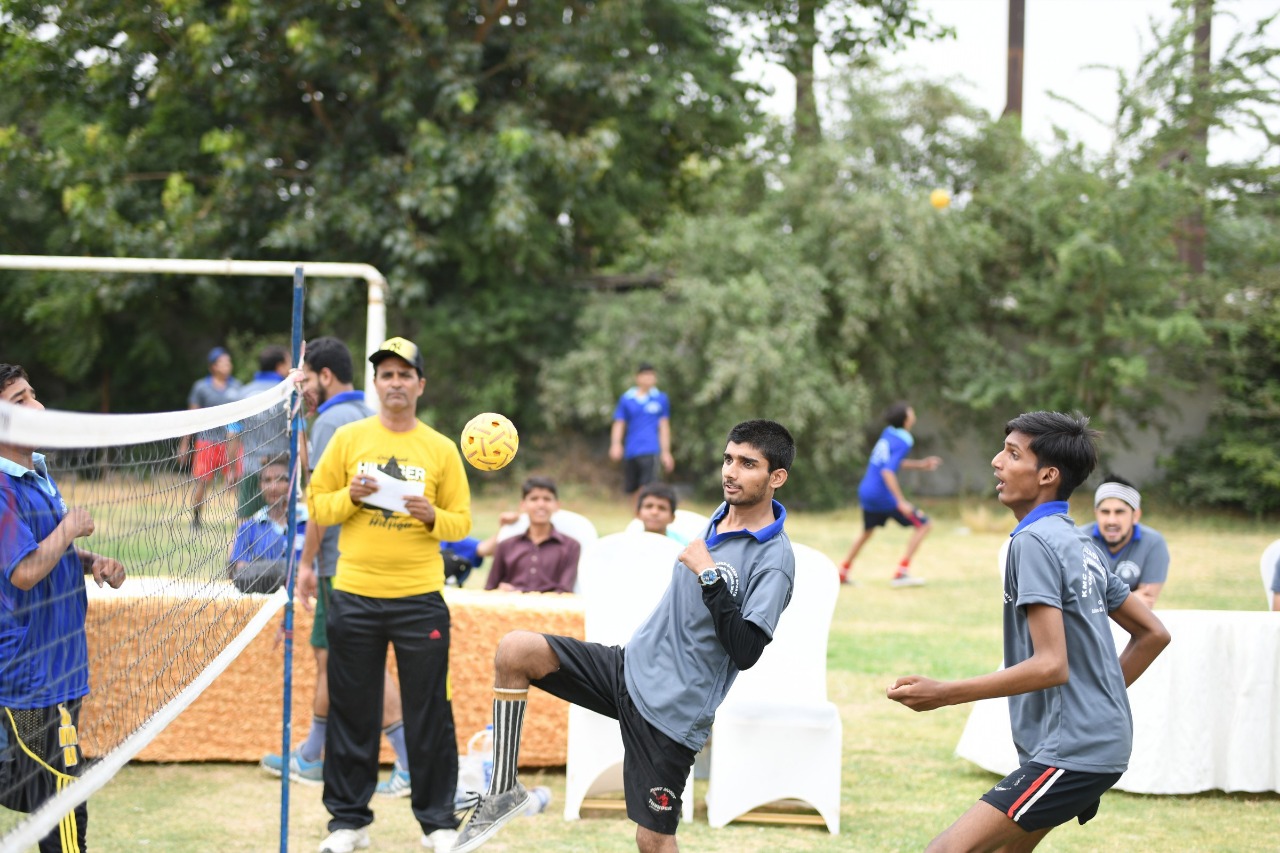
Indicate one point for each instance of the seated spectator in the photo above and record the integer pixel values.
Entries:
(462, 557)
(1137, 553)
(259, 554)
(656, 510)
(541, 559)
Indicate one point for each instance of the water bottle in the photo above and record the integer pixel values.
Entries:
(480, 757)
(539, 799)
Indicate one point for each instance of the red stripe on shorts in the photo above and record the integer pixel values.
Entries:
(1030, 790)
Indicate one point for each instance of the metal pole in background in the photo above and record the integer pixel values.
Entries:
(1017, 34)
(295, 430)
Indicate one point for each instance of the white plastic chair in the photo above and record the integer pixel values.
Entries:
(567, 522)
(776, 737)
(623, 578)
(1269, 558)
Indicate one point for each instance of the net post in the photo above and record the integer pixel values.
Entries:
(295, 429)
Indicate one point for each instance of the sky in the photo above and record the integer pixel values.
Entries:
(1062, 39)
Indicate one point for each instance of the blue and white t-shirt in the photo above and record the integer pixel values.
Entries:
(44, 657)
(1145, 559)
(1084, 724)
(642, 414)
(677, 671)
(892, 447)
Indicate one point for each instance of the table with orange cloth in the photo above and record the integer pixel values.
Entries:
(238, 717)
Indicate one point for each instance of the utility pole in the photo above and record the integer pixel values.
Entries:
(1017, 34)
(1191, 246)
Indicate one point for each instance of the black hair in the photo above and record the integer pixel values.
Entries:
(657, 490)
(770, 438)
(1063, 441)
(1116, 478)
(11, 373)
(896, 415)
(331, 353)
(281, 459)
(270, 358)
(645, 367)
(538, 483)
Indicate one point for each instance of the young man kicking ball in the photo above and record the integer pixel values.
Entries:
(1068, 703)
(664, 687)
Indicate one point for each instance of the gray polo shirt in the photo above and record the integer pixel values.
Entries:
(676, 670)
(1144, 560)
(340, 410)
(205, 395)
(264, 435)
(1084, 724)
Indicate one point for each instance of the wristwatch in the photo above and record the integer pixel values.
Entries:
(707, 577)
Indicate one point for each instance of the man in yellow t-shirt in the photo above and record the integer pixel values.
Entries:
(387, 590)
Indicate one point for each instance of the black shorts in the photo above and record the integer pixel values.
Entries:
(654, 767)
(639, 470)
(1036, 796)
(25, 783)
(872, 520)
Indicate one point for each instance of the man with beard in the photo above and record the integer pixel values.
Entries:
(1138, 554)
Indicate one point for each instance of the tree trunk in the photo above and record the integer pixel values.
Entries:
(1191, 242)
(808, 129)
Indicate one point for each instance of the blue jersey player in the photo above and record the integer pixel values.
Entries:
(44, 661)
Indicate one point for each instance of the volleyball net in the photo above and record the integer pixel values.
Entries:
(193, 507)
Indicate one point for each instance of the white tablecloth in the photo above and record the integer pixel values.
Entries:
(1206, 715)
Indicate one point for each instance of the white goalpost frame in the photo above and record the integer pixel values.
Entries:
(375, 315)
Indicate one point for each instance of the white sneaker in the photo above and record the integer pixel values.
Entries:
(345, 841)
(441, 841)
(906, 580)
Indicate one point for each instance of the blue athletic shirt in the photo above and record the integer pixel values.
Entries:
(261, 538)
(894, 445)
(642, 416)
(44, 657)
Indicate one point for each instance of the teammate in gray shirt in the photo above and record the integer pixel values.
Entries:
(1068, 703)
(727, 591)
(1136, 553)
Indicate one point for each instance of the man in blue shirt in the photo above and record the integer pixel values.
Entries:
(259, 554)
(640, 437)
(44, 662)
(880, 493)
(1067, 688)
(216, 449)
(726, 593)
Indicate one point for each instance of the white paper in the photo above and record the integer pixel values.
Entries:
(391, 491)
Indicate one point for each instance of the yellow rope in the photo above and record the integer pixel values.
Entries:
(68, 831)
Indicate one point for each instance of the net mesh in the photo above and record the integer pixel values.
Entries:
(183, 518)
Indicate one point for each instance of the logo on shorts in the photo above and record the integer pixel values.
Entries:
(661, 799)
(435, 634)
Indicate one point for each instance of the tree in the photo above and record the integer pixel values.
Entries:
(488, 157)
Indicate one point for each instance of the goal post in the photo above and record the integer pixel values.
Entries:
(375, 314)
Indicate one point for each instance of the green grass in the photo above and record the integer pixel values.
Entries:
(902, 783)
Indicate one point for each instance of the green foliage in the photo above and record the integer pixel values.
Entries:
(484, 156)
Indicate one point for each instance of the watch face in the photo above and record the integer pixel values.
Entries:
(708, 577)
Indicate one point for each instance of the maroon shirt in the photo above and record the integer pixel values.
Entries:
(549, 566)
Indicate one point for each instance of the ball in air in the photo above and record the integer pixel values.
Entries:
(940, 198)
(489, 441)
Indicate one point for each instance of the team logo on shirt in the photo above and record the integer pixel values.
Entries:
(1095, 572)
(729, 575)
(1129, 571)
(662, 799)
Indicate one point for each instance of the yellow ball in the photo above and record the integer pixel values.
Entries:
(489, 441)
(939, 198)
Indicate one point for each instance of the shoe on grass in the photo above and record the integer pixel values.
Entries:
(441, 841)
(300, 770)
(345, 841)
(397, 785)
(904, 580)
(494, 811)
